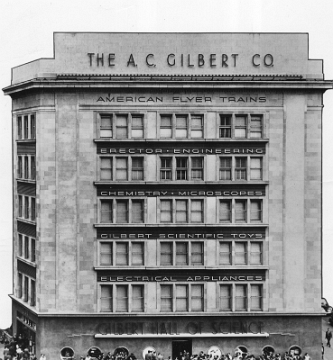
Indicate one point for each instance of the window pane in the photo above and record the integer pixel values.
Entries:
(181, 126)
(225, 168)
(26, 207)
(181, 211)
(225, 126)
(137, 253)
(256, 253)
(256, 127)
(256, 297)
(137, 168)
(20, 286)
(197, 211)
(225, 211)
(33, 209)
(26, 289)
(106, 126)
(240, 210)
(240, 253)
(122, 253)
(225, 298)
(33, 250)
(137, 126)
(166, 210)
(20, 207)
(137, 298)
(240, 169)
(240, 126)
(181, 253)
(106, 298)
(32, 127)
(256, 169)
(166, 169)
(106, 168)
(225, 253)
(197, 297)
(26, 127)
(166, 253)
(19, 128)
(106, 254)
(20, 245)
(106, 211)
(137, 211)
(26, 167)
(256, 210)
(166, 298)
(166, 126)
(121, 127)
(181, 168)
(196, 126)
(241, 298)
(121, 168)
(181, 297)
(197, 169)
(122, 211)
(26, 247)
(122, 298)
(19, 167)
(33, 168)
(197, 255)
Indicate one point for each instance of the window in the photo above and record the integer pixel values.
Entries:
(20, 207)
(19, 167)
(182, 168)
(26, 167)
(20, 285)
(122, 298)
(126, 211)
(256, 297)
(225, 297)
(181, 297)
(197, 298)
(137, 298)
(121, 126)
(137, 168)
(240, 297)
(20, 245)
(26, 247)
(240, 253)
(256, 168)
(106, 168)
(121, 253)
(32, 292)
(122, 168)
(241, 211)
(181, 126)
(225, 168)
(166, 126)
(33, 208)
(241, 126)
(26, 127)
(181, 211)
(26, 289)
(33, 250)
(106, 298)
(196, 126)
(186, 253)
(27, 207)
(240, 168)
(189, 297)
(166, 298)
(32, 168)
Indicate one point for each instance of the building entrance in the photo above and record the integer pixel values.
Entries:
(179, 346)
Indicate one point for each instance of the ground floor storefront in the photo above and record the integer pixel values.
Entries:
(75, 335)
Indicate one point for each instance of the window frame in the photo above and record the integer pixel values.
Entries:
(112, 211)
(232, 253)
(114, 168)
(246, 170)
(174, 169)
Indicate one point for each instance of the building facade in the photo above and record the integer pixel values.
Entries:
(168, 194)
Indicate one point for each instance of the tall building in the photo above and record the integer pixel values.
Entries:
(168, 194)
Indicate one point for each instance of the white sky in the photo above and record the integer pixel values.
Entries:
(26, 29)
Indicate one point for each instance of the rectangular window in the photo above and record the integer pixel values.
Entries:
(106, 298)
(121, 126)
(106, 126)
(240, 126)
(137, 211)
(26, 207)
(256, 210)
(240, 210)
(181, 168)
(137, 253)
(181, 211)
(106, 211)
(33, 209)
(20, 245)
(181, 126)
(197, 168)
(166, 211)
(137, 126)
(225, 126)
(20, 207)
(225, 211)
(240, 297)
(33, 168)
(122, 253)
(166, 126)
(197, 253)
(166, 298)
(137, 168)
(181, 253)
(121, 168)
(225, 253)
(32, 127)
(256, 253)
(33, 293)
(33, 250)
(19, 167)
(122, 298)
(256, 297)
(26, 127)
(181, 298)
(166, 169)
(197, 298)
(26, 289)
(20, 285)
(106, 168)
(240, 168)
(256, 127)
(106, 255)
(240, 253)
(26, 167)
(166, 253)
(122, 211)
(225, 168)
(225, 297)
(19, 127)
(255, 168)
(26, 247)
(196, 211)
(196, 126)
(137, 298)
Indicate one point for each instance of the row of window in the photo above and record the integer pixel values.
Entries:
(174, 168)
(180, 126)
(26, 127)
(26, 167)
(181, 297)
(27, 207)
(181, 211)
(26, 289)
(27, 248)
(180, 253)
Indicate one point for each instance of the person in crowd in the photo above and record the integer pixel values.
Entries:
(328, 337)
